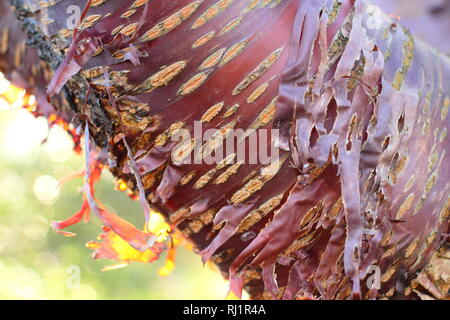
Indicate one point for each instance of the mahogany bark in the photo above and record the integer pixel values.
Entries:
(361, 187)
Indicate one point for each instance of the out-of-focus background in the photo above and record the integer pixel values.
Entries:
(36, 263)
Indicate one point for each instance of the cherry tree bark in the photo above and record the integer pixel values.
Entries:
(356, 205)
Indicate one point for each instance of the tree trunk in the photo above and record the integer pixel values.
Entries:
(356, 204)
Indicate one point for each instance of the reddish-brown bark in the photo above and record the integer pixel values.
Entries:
(361, 105)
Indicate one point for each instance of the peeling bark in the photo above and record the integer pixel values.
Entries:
(362, 105)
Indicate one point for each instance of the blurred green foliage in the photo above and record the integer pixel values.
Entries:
(36, 263)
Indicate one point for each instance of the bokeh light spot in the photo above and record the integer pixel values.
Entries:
(46, 189)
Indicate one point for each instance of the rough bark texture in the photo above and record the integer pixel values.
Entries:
(362, 183)
(429, 20)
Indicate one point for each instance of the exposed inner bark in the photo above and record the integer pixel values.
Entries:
(362, 181)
